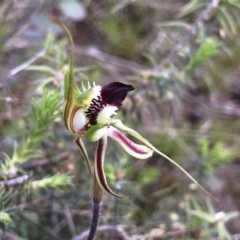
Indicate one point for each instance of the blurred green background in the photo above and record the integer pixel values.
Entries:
(182, 57)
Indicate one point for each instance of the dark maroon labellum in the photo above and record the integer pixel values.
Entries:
(115, 92)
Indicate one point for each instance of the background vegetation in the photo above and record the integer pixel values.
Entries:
(183, 59)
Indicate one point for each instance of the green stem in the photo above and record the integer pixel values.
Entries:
(96, 206)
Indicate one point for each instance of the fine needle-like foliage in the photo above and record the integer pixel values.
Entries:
(146, 89)
(42, 115)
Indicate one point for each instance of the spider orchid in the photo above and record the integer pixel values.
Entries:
(89, 113)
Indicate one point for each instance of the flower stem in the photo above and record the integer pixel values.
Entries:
(96, 206)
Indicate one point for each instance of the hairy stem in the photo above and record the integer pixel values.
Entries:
(96, 206)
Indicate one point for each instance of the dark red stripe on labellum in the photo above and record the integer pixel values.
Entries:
(99, 161)
(115, 92)
(131, 145)
(100, 149)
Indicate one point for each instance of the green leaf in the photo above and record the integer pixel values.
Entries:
(207, 50)
(223, 232)
(230, 215)
(177, 24)
(234, 3)
(49, 42)
(147, 176)
(229, 20)
(6, 198)
(5, 218)
(210, 206)
(112, 28)
(195, 203)
(202, 215)
(43, 114)
(191, 7)
(41, 68)
(56, 181)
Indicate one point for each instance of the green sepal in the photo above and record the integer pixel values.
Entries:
(73, 91)
(119, 125)
(99, 165)
(85, 98)
(66, 85)
(83, 150)
(95, 132)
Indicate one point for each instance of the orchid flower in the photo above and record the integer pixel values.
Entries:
(90, 113)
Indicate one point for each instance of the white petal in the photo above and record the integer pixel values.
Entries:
(79, 120)
(135, 150)
(106, 113)
(97, 91)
